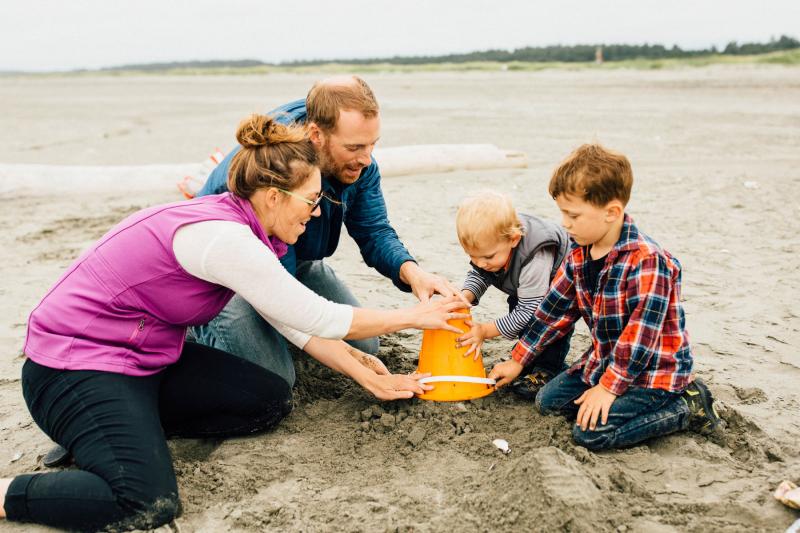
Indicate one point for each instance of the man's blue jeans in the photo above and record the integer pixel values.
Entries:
(241, 331)
(637, 415)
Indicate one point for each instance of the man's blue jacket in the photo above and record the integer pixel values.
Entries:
(362, 210)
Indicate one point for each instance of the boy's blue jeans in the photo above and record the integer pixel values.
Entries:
(637, 415)
(239, 329)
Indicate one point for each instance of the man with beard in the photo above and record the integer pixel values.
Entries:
(343, 122)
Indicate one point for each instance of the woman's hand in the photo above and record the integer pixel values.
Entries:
(375, 364)
(474, 337)
(397, 386)
(369, 361)
(434, 314)
(368, 371)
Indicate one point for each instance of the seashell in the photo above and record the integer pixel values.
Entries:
(502, 445)
(788, 494)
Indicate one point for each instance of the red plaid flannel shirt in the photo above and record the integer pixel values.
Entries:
(635, 317)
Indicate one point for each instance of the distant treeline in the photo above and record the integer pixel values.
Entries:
(237, 63)
(539, 54)
(575, 54)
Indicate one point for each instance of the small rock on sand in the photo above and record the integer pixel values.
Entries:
(416, 436)
(387, 420)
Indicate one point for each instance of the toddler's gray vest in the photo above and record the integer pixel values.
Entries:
(539, 234)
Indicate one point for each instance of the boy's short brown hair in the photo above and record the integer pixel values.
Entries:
(594, 174)
(328, 97)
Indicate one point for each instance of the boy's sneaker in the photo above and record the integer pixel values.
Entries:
(529, 385)
(703, 418)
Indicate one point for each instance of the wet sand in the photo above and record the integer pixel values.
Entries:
(715, 155)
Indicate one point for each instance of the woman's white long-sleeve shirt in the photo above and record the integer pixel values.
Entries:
(229, 254)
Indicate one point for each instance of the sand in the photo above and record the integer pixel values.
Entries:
(716, 153)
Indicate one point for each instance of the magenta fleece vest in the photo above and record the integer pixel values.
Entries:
(125, 304)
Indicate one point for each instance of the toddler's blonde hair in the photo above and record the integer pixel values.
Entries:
(486, 217)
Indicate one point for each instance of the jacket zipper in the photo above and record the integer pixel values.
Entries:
(136, 331)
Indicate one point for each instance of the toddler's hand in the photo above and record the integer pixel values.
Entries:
(475, 337)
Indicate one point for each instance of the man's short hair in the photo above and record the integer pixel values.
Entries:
(327, 98)
(594, 174)
(485, 218)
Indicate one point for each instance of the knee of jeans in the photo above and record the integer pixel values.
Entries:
(162, 510)
(596, 440)
(370, 346)
(237, 313)
(272, 410)
(544, 403)
(149, 512)
(290, 375)
(283, 405)
(537, 402)
(273, 415)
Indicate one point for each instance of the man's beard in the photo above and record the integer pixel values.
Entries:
(329, 168)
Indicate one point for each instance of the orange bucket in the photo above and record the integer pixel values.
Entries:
(455, 378)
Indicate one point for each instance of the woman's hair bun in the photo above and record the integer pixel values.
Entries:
(272, 154)
(261, 130)
(254, 131)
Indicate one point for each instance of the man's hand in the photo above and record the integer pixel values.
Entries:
(505, 372)
(424, 284)
(475, 336)
(397, 386)
(594, 403)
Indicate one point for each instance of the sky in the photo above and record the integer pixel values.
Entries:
(45, 35)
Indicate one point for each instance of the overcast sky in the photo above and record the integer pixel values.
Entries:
(38, 35)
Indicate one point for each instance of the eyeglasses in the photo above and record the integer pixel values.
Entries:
(312, 203)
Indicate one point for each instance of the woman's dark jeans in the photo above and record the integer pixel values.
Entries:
(115, 427)
(635, 416)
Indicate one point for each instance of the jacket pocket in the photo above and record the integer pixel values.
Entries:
(137, 332)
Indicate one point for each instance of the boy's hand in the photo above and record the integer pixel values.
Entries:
(505, 372)
(475, 336)
(594, 403)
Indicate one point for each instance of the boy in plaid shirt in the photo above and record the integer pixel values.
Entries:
(636, 378)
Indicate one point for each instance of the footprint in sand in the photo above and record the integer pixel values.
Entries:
(562, 477)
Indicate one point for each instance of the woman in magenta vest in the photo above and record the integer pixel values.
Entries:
(109, 376)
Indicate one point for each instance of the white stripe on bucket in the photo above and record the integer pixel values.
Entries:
(458, 379)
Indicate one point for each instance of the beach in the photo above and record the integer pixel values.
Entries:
(716, 159)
